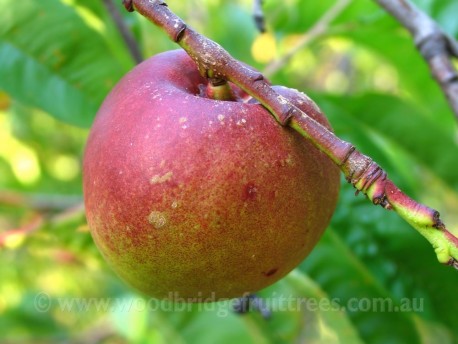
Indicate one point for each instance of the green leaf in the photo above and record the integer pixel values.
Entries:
(378, 36)
(398, 133)
(426, 140)
(300, 311)
(391, 254)
(56, 59)
(306, 313)
(343, 276)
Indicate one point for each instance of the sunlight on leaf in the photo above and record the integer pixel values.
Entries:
(65, 167)
(22, 159)
(264, 48)
(89, 18)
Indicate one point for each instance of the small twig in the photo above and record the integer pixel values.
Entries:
(436, 47)
(39, 202)
(28, 228)
(129, 39)
(253, 303)
(361, 171)
(42, 219)
(317, 30)
(258, 16)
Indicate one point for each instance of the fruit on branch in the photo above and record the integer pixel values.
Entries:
(198, 199)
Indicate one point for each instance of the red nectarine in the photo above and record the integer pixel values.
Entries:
(193, 197)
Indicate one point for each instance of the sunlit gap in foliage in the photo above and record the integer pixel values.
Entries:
(65, 167)
(264, 48)
(22, 159)
(339, 66)
(87, 16)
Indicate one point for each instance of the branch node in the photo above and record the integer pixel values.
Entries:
(452, 45)
(129, 5)
(285, 117)
(385, 204)
(453, 262)
(258, 77)
(180, 33)
(437, 222)
(431, 45)
(347, 156)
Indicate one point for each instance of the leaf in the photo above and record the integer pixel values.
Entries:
(301, 311)
(418, 85)
(400, 259)
(427, 141)
(343, 276)
(52, 59)
(307, 313)
(393, 254)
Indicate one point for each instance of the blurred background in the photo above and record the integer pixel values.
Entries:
(59, 59)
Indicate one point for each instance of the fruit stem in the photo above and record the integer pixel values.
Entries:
(219, 89)
(361, 171)
(251, 302)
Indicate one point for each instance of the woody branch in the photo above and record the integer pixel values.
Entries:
(437, 48)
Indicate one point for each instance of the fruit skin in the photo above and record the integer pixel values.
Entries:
(195, 199)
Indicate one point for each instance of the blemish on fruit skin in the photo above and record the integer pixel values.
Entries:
(290, 161)
(157, 179)
(220, 118)
(250, 192)
(157, 219)
(270, 272)
(241, 122)
(174, 205)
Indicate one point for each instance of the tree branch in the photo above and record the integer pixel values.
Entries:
(258, 16)
(129, 39)
(436, 47)
(317, 30)
(363, 173)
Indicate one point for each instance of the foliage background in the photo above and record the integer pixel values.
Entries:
(58, 60)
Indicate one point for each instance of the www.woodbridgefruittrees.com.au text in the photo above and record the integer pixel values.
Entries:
(44, 302)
